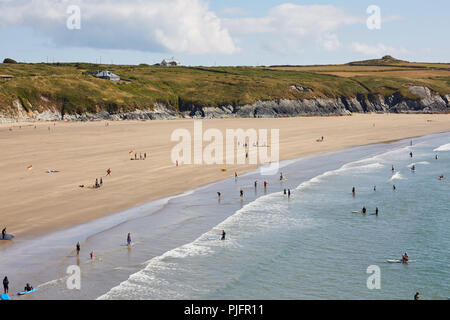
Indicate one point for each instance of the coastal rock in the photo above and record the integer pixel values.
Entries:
(427, 102)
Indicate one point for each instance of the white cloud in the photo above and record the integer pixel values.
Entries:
(297, 22)
(179, 26)
(377, 51)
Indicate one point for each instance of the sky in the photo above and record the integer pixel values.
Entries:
(223, 32)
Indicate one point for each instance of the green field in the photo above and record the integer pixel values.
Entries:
(73, 89)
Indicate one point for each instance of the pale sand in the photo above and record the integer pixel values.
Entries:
(33, 202)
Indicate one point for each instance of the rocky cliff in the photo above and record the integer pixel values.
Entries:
(427, 102)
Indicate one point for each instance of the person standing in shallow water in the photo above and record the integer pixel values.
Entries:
(78, 248)
(6, 285)
(223, 235)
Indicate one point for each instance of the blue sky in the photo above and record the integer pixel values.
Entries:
(223, 32)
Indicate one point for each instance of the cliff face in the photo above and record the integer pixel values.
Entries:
(427, 103)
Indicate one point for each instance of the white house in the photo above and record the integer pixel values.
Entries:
(170, 62)
(108, 75)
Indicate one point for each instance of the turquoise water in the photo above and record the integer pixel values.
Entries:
(312, 245)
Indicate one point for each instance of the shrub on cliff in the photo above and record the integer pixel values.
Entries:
(9, 60)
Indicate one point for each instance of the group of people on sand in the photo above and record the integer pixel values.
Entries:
(142, 156)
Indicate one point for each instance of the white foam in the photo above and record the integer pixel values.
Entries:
(397, 176)
(444, 147)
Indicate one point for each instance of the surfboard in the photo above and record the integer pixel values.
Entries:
(27, 292)
(355, 211)
(7, 237)
(210, 239)
(400, 261)
(5, 297)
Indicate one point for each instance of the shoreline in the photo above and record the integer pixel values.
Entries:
(192, 176)
(154, 224)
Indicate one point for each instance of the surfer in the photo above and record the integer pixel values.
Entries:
(441, 177)
(436, 156)
(405, 258)
(410, 154)
(394, 188)
(78, 248)
(256, 183)
(289, 193)
(364, 210)
(284, 191)
(28, 288)
(374, 188)
(393, 168)
(281, 176)
(129, 239)
(5, 285)
(3, 233)
(92, 255)
(353, 191)
(223, 235)
(241, 193)
(417, 296)
(413, 168)
(376, 211)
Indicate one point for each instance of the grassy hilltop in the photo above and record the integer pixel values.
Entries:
(73, 89)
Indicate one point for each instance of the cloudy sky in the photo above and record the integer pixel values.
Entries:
(223, 32)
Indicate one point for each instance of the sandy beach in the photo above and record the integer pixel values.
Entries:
(34, 201)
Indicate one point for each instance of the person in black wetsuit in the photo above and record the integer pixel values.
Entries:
(28, 288)
(223, 235)
(376, 211)
(78, 248)
(3, 233)
(241, 193)
(6, 285)
(364, 210)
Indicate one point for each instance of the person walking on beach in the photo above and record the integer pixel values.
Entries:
(78, 248)
(129, 239)
(5, 285)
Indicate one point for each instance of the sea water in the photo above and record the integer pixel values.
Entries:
(310, 245)
(313, 246)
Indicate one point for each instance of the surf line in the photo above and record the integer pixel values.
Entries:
(192, 309)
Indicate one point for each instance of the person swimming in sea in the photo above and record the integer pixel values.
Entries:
(405, 258)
